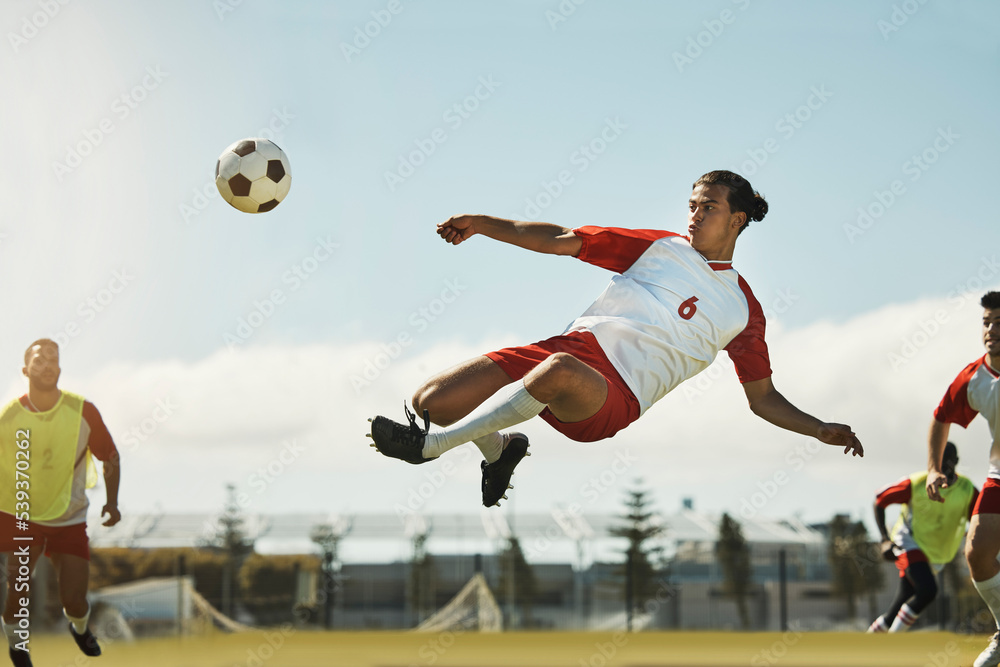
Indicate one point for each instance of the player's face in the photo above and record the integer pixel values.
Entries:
(42, 368)
(991, 331)
(711, 225)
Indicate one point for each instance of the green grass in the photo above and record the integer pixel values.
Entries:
(522, 649)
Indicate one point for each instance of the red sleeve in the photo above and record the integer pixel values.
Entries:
(614, 248)
(895, 494)
(100, 443)
(954, 407)
(972, 501)
(749, 350)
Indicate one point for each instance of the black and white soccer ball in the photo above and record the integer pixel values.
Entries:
(253, 175)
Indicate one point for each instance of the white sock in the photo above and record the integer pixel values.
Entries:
(904, 619)
(8, 630)
(491, 445)
(878, 625)
(510, 405)
(79, 624)
(989, 591)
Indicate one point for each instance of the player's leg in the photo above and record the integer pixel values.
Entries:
(456, 392)
(924, 585)
(903, 592)
(569, 388)
(982, 544)
(73, 575)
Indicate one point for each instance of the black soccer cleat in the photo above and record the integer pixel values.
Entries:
(496, 475)
(401, 441)
(20, 658)
(87, 642)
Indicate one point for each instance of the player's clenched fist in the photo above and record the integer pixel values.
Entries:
(456, 229)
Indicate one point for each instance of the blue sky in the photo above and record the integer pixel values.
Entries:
(132, 260)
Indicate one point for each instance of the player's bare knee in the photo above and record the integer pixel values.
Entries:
(982, 562)
(429, 397)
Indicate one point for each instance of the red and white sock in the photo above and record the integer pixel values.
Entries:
(904, 619)
(879, 625)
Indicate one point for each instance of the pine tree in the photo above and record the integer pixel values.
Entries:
(231, 539)
(733, 553)
(641, 574)
(853, 569)
(525, 583)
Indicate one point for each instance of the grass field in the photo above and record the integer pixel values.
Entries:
(520, 649)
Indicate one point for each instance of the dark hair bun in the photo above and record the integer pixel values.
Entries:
(759, 207)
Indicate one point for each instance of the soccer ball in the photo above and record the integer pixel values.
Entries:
(253, 175)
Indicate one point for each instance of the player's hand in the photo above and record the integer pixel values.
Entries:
(114, 516)
(887, 551)
(935, 482)
(456, 229)
(840, 435)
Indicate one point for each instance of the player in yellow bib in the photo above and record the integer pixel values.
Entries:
(47, 440)
(926, 537)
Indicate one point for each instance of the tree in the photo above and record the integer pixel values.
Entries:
(423, 578)
(853, 569)
(733, 554)
(524, 590)
(231, 539)
(639, 527)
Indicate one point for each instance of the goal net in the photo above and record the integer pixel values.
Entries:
(472, 608)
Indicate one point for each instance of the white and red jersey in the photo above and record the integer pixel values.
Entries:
(975, 390)
(669, 312)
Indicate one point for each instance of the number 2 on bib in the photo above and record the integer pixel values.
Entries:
(687, 309)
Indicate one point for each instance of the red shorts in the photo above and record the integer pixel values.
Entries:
(70, 540)
(619, 410)
(989, 498)
(908, 558)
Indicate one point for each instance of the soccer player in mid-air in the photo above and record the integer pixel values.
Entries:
(674, 303)
(976, 390)
(43, 499)
(925, 538)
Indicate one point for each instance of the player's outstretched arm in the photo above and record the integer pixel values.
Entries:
(541, 237)
(936, 440)
(768, 404)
